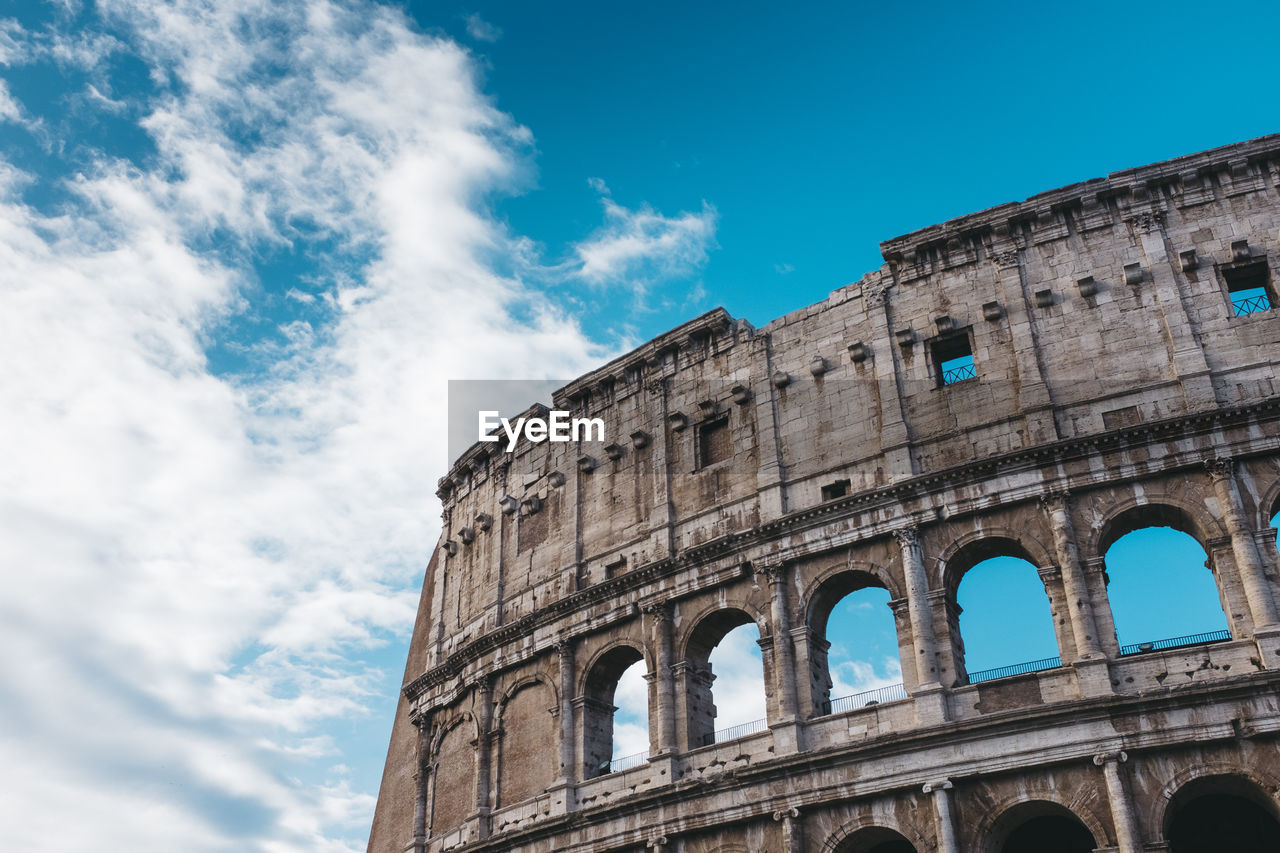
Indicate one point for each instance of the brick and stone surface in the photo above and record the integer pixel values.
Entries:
(1115, 389)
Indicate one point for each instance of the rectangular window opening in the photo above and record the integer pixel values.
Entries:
(1249, 288)
(714, 442)
(953, 359)
(838, 489)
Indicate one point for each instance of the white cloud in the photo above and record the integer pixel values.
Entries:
(481, 30)
(739, 689)
(637, 247)
(857, 676)
(200, 565)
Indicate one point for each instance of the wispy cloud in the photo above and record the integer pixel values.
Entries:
(636, 247)
(481, 30)
(210, 562)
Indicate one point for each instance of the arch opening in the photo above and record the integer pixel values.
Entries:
(528, 727)
(615, 713)
(1002, 621)
(724, 647)
(1222, 813)
(854, 656)
(875, 839)
(1040, 827)
(1161, 591)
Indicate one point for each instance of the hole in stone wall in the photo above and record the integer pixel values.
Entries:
(1249, 286)
(715, 443)
(838, 489)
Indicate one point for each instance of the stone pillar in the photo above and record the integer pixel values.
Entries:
(1083, 627)
(918, 607)
(786, 730)
(660, 624)
(1095, 576)
(792, 833)
(419, 841)
(895, 437)
(568, 765)
(941, 791)
(1128, 839)
(1262, 604)
(1034, 398)
(931, 701)
(484, 700)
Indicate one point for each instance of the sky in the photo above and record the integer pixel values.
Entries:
(246, 246)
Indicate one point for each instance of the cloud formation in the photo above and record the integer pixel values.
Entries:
(205, 559)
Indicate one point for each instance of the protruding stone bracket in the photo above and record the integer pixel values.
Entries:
(1189, 260)
(858, 352)
(818, 365)
(1044, 298)
(1240, 252)
(640, 439)
(586, 464)
(1133, 274)
(741, 394)
(906, 338)
(781, 379)
(509, 504)
(677, 421)
(484, 521)
(1088, 286)
(992, 311)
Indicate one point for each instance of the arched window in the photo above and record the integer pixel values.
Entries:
(875, 839)
(1222, 813)
(724, 649)
(1040, 827)
(529, 733)
(1004, 617)
(853, 645)
(615, 713)
(1161, 592)
(454, 778)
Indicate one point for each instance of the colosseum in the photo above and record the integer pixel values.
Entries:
(1036, 380)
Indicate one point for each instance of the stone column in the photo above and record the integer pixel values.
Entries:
(568, 765)
(941, 791)
(792, 839)
(420, 794)
(1034, 398)
(484, 700)
(1083, 627)
(786, 731)
(930, 701)
(918, 607)
(660, 624)
(1128, 839)
(1262, 604)
(895, 436)
(1095, 576)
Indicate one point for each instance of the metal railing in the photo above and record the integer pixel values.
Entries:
(1250, 304)
(892, 693)
(1175, 642)
(959, 374)
(628, 762)
(1015, 669)
(733, 732)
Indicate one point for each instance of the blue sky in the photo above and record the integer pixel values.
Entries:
(246, 245)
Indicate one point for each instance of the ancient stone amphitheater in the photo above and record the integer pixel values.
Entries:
(1035, 380)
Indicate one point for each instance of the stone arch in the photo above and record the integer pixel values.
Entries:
(1158, 813)
(1268, 506)
(972, 548)
(694, 673)
(594, 658)
(597, 692)
(453, 763)
(1004, 817)
(873, 830)
(821, 596)
(875, 574)
(1133, 513)
(519, 684)
(528, 730)
(975, 547)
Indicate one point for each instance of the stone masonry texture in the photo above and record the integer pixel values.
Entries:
(758, 475)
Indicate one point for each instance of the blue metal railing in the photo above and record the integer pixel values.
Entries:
(627, 762)
(959, 374)
(1015, 669)
(1250, 304)
(733, 732)
(892, 693)
(1175, 642)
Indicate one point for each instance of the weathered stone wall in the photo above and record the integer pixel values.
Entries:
(1115, 388)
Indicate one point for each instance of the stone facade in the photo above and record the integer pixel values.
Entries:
(757, 476)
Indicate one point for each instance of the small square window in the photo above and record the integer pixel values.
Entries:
(714, 442)
(953, 359)
(1248, 286)
(838, 489)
